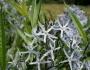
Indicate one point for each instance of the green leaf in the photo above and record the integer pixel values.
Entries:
(88, 23)
(13, 16)
(42, 18)
(77, 24)
(89, 35)
(21, 8)
(2, 42)
(30, 2)
(27, 27)
(13, 48)
(35, 13)
(87, 59)
(19, 32)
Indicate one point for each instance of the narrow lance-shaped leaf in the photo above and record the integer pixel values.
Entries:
(88, 23)
(27, 27)
(2, 42)
(35, 13)
(42, 18)
(22, 9)
(77, 24)
(19, 32)
(13, 48)
(13, 16)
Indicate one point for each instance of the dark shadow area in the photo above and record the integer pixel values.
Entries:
(77, 2)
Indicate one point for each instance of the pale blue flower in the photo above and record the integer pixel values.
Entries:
(62, 25)
(34, 34)
(40, 61)
(16, 61)
(46, 33)
(69, 59)
(14, 11)
(79, 14)
(30, 49)
(52, 49)
(87, 65)
(76, 39)
(80, 66)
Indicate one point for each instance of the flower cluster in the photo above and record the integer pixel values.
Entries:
(49, 42)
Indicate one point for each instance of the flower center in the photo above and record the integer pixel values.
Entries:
(38, 61)
(74, 41)
(69, 59)
(46, 32)
(53, 48)
(79, 68)
(62, 28)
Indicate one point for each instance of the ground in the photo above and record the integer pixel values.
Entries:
(56, 9)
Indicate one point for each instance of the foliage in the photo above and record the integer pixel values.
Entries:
(2, 42)
(35, 43)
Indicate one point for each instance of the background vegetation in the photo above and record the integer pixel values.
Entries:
(56, 9)
(29, 41)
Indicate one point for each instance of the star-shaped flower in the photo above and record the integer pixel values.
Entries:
(87, 64)
(30, 49)
(40, 61)
(80, 66)
(52, 49)
(34, 34)
(63, 27)
(16, 61)
(70, 59)
(76, 39)
(46, 33)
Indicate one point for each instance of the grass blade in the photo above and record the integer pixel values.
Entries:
(2, 42)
